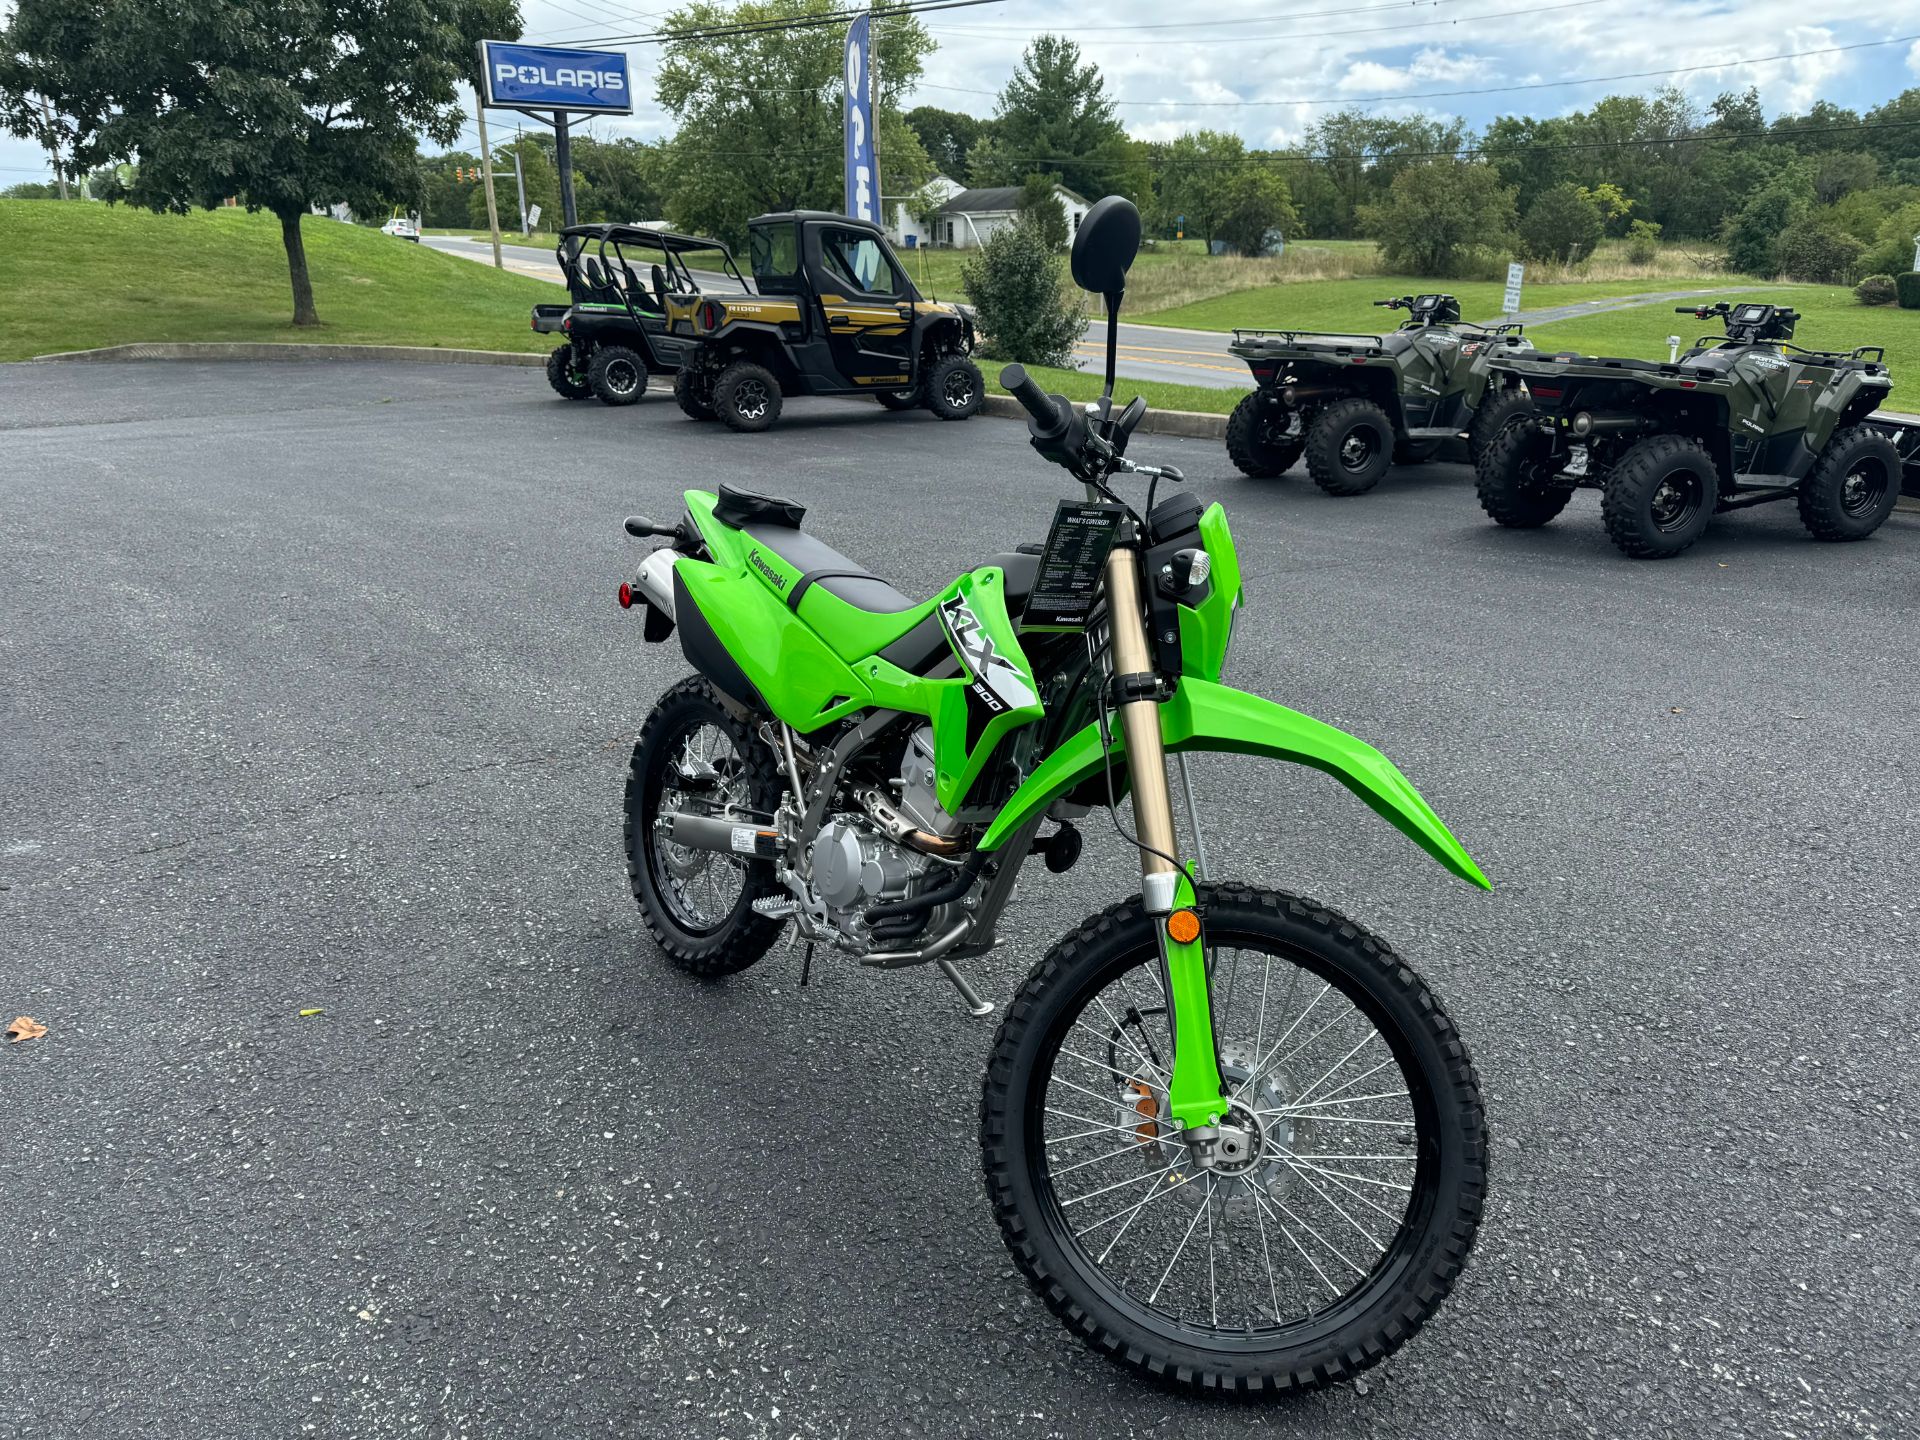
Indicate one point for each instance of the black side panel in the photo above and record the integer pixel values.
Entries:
(705, 652)
(922, 648)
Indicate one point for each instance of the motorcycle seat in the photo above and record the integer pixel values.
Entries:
(820, 564)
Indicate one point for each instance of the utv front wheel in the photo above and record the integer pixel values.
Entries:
(1260, 438)
(1852, 487)
(1660, 496)
(1336, 1224)
(954, 387)
(1349, 447)
(617, 375)
(1514, 478)
(693, 392)
(694, 756)
(898, 399)
(747, 397)
(567, 383)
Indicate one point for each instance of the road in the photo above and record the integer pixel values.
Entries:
(318, 701)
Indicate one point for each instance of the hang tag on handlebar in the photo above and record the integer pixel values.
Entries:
(1070, 570)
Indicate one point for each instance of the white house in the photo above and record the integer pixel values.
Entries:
(903, 227)
(965, 218)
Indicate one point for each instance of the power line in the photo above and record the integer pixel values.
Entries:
(1298, 34)
(1475, 89)
(800, 22)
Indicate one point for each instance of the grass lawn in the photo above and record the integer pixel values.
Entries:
(1085, 385)
(75, 276)
(1830, 319)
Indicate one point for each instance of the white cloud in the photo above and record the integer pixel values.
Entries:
(1913, 58)
(1368, 77)
(1436, 65)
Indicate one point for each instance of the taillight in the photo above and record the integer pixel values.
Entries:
(709, 316)
(626, 596)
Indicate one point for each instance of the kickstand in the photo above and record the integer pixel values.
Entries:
(806, 965)
(976, 1006)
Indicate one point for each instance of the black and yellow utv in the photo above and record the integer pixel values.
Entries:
(621, 279)
(833, 314)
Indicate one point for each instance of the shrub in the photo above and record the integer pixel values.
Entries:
(1907, 290)
(1815, 252)
(1023, 304)
(1875, 290)
(1751, 235)
(1643, 242)
(1563, 224)
(1892, 249)
(1434, 212)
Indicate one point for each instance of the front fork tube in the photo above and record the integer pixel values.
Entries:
(1194, 1089)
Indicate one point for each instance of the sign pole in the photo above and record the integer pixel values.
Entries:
(486, 174)
(519, 180)
(563, 157)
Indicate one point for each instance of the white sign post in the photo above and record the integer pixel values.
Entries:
(1510, 302)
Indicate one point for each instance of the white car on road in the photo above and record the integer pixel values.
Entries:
(405, 228)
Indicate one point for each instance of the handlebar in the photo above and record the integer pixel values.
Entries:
(1036, 402)
(1061, 431)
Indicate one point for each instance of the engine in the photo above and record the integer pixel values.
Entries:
(858, 858)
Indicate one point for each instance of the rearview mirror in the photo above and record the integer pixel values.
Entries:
(1104, 246)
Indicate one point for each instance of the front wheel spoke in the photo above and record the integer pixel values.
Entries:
(1280, 1225)
(1340, 1210)
(1301, 1098)
(1348, 1190)
(1357, 1179)
(1350, 1100)
(1117, 1185)
(1363, 1075)
(1179, 1184)
(1112, 1100)
(1338, 1253)
(1133, 1149)
(1085, 1120)
(1178, 1250)
(1097, 1129)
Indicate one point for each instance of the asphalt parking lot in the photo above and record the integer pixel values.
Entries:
(317, 698)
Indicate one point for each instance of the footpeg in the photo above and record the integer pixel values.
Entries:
(775, 907)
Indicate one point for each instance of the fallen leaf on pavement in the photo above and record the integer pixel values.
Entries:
(25, 1027)
(309, 1014)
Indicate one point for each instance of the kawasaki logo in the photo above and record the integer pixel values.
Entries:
(774, 577)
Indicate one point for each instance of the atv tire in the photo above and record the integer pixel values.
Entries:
(955, 387)
(1349, 447)
(1513, 478)
(1257, 438)
(747, 397)
(560, 375)
(1491, 418)
(693, 392)
(1852, 487)
(1660, 496)
(617, 375)
(899, 399)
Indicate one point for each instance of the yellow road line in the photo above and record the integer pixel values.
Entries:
(1100, 353)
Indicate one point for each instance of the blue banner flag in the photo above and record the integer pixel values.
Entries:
(539, 77)
(862, 203)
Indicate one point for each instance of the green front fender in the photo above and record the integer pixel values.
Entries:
(1205, 716)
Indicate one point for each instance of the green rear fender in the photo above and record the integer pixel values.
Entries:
(1204, 716)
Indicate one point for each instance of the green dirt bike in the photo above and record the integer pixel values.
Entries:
(1230, 1137)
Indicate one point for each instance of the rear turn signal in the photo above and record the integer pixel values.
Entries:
(626, 596)
(1183, 927)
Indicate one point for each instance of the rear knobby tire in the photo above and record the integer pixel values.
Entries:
(1660, 496)
(618, 375)
(1349, 447)
(1193, 1350)
(1514, 477)
(747, 397)
(955, 387)
(898, 399)
(737, 936)
(1852, 487)
(567, 383)
(693, 392)
(1495, 410)
(1257, 438)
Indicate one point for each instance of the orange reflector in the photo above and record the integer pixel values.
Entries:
(1183, 926)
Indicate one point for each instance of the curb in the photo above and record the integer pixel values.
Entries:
(250, 350)
(1193, 424)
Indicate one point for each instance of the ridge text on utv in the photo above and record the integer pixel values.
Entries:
(1740, 419)
(1355, 404)
(834, 313)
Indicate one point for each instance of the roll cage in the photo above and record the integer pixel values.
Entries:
(637, 267)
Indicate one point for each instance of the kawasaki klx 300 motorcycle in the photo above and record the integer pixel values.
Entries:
(1230, 1137)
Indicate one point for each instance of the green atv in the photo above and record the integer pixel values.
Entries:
(621, 280)
(1738, 420)
(833, 313)
(1355, 404)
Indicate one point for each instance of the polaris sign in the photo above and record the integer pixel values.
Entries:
(539, 77)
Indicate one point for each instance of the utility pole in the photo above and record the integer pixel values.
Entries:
(486, 173)
(519, 180)
(59, 175)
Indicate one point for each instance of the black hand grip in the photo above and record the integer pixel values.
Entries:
(641, 526)
(1048, 422)
(1386, 304)
(1688, 310)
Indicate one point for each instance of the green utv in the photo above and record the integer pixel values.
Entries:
(1355, 404)
(1738, 420)
(1230, 1137)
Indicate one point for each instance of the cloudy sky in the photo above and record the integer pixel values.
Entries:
(1267, 69)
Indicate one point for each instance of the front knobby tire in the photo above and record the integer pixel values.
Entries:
(1375, 1151)
(1852, 487)
(695, 754)
(1660, 496)
(1514, 477)
(1491, 417)
(1349, 447)
(1258, 440)
(567, 382)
